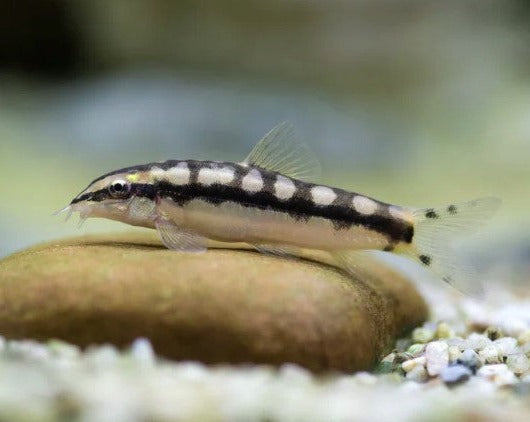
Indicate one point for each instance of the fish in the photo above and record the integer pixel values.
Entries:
(271, 201)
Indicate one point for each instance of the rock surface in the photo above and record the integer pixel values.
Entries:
(222, 306)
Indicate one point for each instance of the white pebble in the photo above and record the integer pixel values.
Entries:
(477, 341)
(524, 337)
(63, 350)
(437, 354)
(28, 349)
(444, 331)
(418, 374)
(295, 374)
(498, 374)
(455, 374)
(490, 354)
(102, 356)
(454, 353)
(422, 335)
(518, 363)
(457, 342)
(506, 345)
(389, 358)
(410, 364)
(366, 378)
(514, 327)
(470, 359)
(142, 351)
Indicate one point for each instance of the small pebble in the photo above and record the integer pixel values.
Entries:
(366, 378)
(142, 351)
(455, 374)
(102, 356)
(506, 345)
(477, 341)
(490, 354)
(444, 331)
(499, 374)
(409, 365)
(27, 350)
(422, 335)
(416, 349)
(524, 348)
(402, 357)
(418, 374)
(389, 358)
(457, 342)
(437, 354)
(518, 363)
(514, 327)
(524, 337)
(454, 353)
(63, 350)
(493, 333)
(470, 359)
(387, 365)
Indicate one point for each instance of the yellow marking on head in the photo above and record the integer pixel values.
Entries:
(133, 177)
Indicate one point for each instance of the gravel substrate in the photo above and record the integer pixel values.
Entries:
(469, 362)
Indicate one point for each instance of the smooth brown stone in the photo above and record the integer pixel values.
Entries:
(221, 306)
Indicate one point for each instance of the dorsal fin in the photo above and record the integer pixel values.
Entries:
(282, 151)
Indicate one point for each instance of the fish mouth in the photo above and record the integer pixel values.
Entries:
(86, 210)
(84, 213)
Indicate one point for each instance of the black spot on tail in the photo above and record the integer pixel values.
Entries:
(451, 209)
(425, 260)
(431, 214)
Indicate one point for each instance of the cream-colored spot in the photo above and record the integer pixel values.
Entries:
(252, 182)
(157, 173)
(209, 176)
(179, 175)
(284, 188)
(322, 195)
(364, 205)
(226, 175)
(396, 212)
(206, 176)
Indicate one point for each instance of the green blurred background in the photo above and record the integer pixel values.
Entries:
(412, 102)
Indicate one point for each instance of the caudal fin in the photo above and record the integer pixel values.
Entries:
(436, 228)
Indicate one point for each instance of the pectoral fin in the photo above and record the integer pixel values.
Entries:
(278, 250)
(178, 239)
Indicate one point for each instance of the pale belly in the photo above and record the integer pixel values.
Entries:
(231, 222)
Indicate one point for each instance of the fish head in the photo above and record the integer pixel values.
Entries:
(126, 196)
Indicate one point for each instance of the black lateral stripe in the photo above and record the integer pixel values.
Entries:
(300, 206)
(144, 190)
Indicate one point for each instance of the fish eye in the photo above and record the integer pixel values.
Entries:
(119, 188)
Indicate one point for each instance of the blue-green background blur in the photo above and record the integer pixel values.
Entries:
(412, 102)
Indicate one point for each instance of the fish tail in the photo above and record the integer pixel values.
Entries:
(434, 231)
